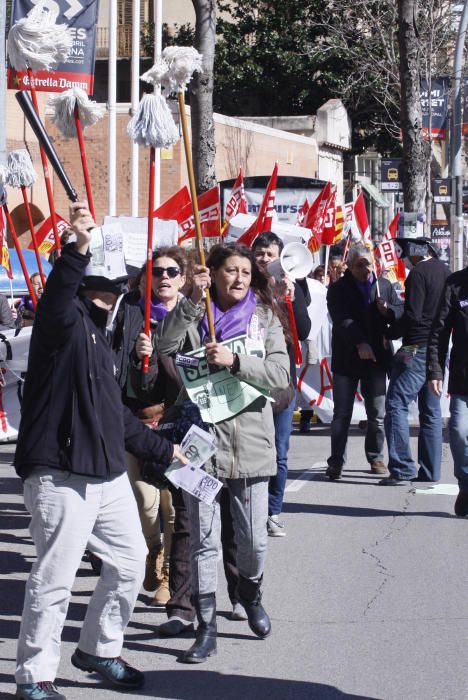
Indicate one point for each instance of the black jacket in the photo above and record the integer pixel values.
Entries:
(72, 413)
(423, 289)
(451, 317)
(355, 321)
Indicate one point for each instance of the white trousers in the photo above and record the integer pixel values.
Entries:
(69, 513)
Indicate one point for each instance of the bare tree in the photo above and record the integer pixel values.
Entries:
(387, 47)
(201, 97)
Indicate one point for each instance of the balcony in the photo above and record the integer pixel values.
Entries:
(124, 42)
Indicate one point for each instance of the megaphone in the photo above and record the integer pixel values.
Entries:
(295, 262)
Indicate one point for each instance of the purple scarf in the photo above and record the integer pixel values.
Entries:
(233, 322)
(157, 309)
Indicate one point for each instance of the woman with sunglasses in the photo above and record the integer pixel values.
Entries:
(245, 459)
(168, 278)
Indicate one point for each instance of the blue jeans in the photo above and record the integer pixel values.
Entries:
(277, 484)
(408, 382)
(458, 428)
(373, 391)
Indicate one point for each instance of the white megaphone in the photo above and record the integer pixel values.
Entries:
(295, 262)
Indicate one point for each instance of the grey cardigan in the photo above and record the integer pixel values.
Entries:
(246, 442)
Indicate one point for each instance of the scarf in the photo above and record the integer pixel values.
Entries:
(157, 309)
(365, 288)
(233, 322)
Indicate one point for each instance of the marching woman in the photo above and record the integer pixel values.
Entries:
(245, 458)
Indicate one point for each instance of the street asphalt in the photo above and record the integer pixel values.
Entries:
(367, 593)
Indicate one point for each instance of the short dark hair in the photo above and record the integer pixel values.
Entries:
(266, 239)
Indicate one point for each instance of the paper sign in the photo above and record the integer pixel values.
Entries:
(218, 394)
(134, 235)
(198, 446)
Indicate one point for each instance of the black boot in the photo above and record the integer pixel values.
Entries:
(250, 596)
(205, 636)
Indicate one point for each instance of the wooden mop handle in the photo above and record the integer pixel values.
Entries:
(196, 214)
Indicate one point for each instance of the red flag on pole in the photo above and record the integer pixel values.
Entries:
(209, 207)
(360, 216)
(314, 218)
(385, 253)
(172, 206)
(265, 215)
(45, 236)
(302, 213)
(328, 232)
(237, 203)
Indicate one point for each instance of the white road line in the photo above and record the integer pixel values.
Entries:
(301, 480)
(438, 489)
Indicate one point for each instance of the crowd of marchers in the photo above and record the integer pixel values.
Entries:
(105, 408)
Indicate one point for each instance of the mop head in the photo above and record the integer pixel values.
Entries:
(3, 178)
(157, 74)
(21, 171)
(63, 105)
(182, 62)
(37, 42)
(153, 124)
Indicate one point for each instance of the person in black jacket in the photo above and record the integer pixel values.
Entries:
(360, 308)
(423, 290)
(71, 455)
(267, 248)
(452, 318)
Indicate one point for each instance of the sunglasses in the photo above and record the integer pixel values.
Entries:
(171, 271)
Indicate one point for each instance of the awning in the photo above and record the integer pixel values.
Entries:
(374, 194)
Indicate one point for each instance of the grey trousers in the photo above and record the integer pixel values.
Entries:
(249, 509)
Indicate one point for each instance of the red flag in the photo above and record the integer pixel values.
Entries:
(385, 253)
(328, 230)
(315, 216)
(172, 206)
(360, 216)
(265, 215)
(209, 208)
(302, 213)
(45, 235)
(5, 259)
(237, 204)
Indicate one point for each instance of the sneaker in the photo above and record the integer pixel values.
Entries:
(238, 612)
(394, 481)
(378, 467)
(333, 472)
(114, 670)
(461, 504)
(38, 691)
(275, 527)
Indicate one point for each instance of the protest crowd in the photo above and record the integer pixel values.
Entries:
(157, 406)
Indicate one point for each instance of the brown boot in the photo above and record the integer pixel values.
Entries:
(378, 467)
(151, 581)
(162, 594)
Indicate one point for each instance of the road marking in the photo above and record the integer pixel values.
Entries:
(439, 489)
(301, 480)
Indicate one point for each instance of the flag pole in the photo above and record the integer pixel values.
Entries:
(196, 214)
